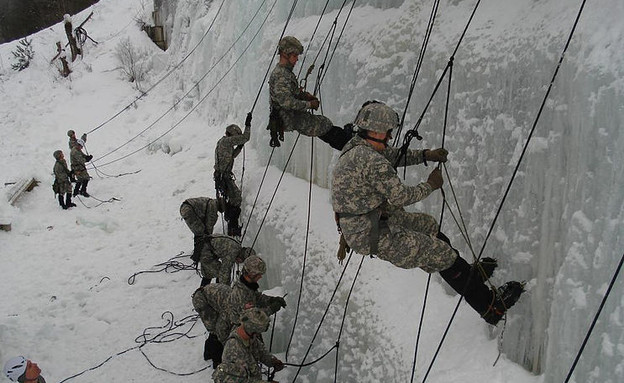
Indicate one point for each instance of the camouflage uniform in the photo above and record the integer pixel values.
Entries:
(366, 189)
(288, 100)
(242, 355)
(62, 175)
(218, 257)
(240, 360)
(200, 214)
(228, 148)
(78, 161)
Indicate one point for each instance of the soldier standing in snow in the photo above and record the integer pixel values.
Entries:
(200, 215)
(244, 350)
(368, 199)
(62, 181)
(218, 256)
(289, 103)
(227, 149)
(72, 138)
(20, 369)
(78, 161)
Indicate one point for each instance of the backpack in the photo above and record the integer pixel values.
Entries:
(209, 302)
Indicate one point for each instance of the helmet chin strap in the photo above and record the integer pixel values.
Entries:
(383, 141)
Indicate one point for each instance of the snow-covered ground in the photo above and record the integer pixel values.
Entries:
(66, 299)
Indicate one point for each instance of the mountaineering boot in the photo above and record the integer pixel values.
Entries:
(461, 278)
(83, 189)
(77, 188)
(68, 201)
(486, 264)
(337, 137)
(508, 294)
(61, 202)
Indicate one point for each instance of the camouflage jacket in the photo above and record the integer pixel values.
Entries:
(204, 210)
(364, 180)
(284, 90)
(61, 171)
(78, 160)
(240, 360)
(219, 248)
(227, 149)
(243, 293)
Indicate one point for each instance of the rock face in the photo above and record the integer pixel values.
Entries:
(19, 18)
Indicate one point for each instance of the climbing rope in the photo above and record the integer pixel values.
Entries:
(176, 67)
(100, 202)
(200, 101)
(524, 150)
(196, 84)
(305, 247)
(170, 266)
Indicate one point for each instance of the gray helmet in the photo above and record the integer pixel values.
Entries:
(289, 45)
(15, 367)
(233, 130)
(70, 133)
(254, 265)
(254, 320)
(246, 252)
(377, 117)
(57, 154)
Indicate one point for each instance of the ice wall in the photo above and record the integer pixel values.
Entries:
(561, 226)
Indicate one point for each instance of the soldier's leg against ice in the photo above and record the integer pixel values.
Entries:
(61, 201)
(68, 200)
(77, 187)
(83, 188)
(235, 199)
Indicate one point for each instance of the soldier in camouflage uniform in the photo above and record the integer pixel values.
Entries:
(72, 138)
(244, 350)
(245, 294)
(78, 161)
(227, 149)
(218, 256)
(368, 198)
(200, 214)
(62, 181)
(289, 103)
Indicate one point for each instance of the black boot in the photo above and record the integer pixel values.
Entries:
(77, 188)
(68, 201)
(337, 137)
(507, 296)
(485, 267)
(83, 189)
(460, 277)
(213, 349)
(62, 202)
(231, 216)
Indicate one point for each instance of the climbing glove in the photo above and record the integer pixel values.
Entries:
(248, 119)
(89, 158)
(435, 179)
(436, 155)
(276, 303)
(314, 104)
(278, 365)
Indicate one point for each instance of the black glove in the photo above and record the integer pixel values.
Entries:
(436, 155)
(89, 158)
(277, 303)
(278, 365)
(435, 179)
(248, 119)
(84, 137)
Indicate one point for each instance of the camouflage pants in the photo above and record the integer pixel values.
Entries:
(216, 268)
(305, 123)
(408, 240)
(192, 219)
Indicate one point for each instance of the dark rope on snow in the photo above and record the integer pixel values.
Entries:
(170, 266)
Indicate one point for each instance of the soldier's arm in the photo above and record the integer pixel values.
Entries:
(260, 352)
(412, 157)
(388, 184)
(285, 93)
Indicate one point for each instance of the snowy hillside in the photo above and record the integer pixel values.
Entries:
(66, 298)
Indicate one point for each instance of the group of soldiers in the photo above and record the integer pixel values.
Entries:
(64, 177)
(368, 199)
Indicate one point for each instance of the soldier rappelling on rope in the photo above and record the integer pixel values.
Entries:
(290, 104)
(78, 167)
(227, 149)
(368, 199)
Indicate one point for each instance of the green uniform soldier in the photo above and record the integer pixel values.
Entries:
(227, 149)
(62, 181)
(72, 138)
(289, 103)
(219, 255)
(79, 168)
(368, 198)
(244, 350)
(200, 215)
